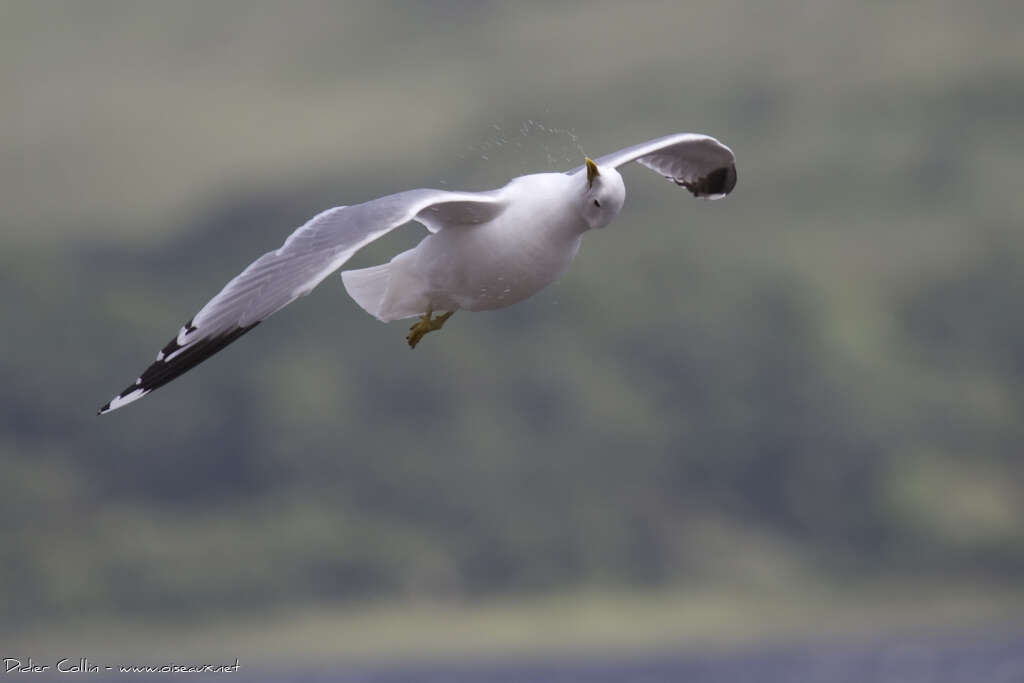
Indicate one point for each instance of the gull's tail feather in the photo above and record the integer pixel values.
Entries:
(368, 286)
(173, 360)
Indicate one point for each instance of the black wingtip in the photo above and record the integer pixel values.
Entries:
(718, 183)
(174, 360)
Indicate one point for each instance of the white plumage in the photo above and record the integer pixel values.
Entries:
(485, 249)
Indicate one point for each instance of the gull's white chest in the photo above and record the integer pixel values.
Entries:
(506, 260)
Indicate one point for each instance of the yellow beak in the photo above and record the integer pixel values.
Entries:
(592, 172)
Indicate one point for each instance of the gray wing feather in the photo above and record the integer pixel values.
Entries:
(700, 163)
(323, 245)
(309, 255)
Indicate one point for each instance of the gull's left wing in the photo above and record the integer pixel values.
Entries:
(700, 163)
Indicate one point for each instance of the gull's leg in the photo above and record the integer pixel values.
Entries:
(425, 325)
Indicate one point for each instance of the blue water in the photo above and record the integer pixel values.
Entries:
(990, 657)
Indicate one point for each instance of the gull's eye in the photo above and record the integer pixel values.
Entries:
(597, 204)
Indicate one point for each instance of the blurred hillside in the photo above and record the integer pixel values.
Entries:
(816, 380)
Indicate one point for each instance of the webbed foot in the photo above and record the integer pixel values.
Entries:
(424, 325)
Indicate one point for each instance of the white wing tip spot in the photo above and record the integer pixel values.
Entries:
(120, 401)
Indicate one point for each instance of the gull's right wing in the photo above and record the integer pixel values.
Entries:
(309, 255)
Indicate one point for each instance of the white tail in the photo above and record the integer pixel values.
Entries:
(368, 287)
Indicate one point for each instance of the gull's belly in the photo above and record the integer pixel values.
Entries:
(478, 269)
(518, 275)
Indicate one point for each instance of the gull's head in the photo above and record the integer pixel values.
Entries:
(604, 195)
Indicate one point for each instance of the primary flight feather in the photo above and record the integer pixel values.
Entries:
(485, 249)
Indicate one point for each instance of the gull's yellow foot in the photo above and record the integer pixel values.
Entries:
(426, 324)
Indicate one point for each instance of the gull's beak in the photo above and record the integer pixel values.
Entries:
(592, 172)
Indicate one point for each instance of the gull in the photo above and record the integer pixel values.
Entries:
(484, 250)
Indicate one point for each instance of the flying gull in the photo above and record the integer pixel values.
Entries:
(485, 250)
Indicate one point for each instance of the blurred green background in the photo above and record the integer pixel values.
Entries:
(794, 409)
